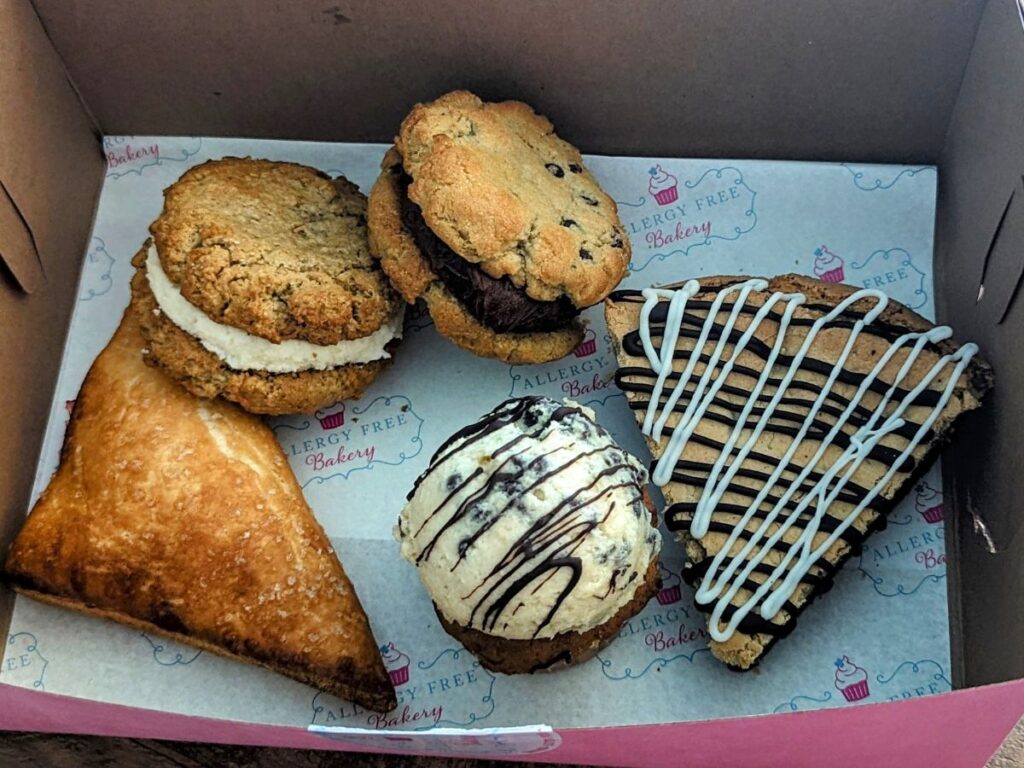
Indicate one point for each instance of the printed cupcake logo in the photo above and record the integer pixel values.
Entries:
(396, 663)
(828, 266)
(663, 186)
(891, 271)
(715, 206)
(96, 279)
(928, 503)
(908, 680)
(851, 680)
(585, 376)
(343, 438)
(671, 587)
(908, 557)
(23, 662)
(332, 417)
(588, 346)
(133, 154)
(452, 690)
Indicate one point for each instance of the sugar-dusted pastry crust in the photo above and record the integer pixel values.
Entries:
(686, 487)
(181, 517)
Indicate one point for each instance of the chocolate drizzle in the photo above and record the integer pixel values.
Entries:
(779, 407)
(520, 477)
(496, 302)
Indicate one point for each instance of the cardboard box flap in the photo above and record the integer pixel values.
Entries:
(18, 250)
(51, 169)
(1004, 264)
(44, 140)
(980, 241)
(980, 244)
(802, 79)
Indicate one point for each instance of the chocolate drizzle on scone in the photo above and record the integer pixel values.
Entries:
(530, 522)
(785, 429)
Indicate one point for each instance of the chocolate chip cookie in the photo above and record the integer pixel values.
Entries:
(483, 211)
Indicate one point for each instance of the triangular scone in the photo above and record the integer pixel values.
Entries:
(792, 432)
(181, 516)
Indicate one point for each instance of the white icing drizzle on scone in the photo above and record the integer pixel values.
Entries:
(727, 574)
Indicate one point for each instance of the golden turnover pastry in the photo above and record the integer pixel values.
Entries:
(180, 517)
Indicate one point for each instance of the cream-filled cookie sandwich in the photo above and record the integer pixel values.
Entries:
(257, 286)
(533, 534)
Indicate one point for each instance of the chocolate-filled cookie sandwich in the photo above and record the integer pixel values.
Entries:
(534, 535)
(258, 286)
(487, 215)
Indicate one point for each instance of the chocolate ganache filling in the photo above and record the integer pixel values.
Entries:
(495, 302)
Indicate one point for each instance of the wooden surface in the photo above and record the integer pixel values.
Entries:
(31, 750)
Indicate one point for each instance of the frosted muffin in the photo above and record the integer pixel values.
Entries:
(533, 534)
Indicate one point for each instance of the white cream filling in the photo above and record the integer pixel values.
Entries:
(246, 352)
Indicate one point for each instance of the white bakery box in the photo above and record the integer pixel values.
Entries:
(918, 83)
